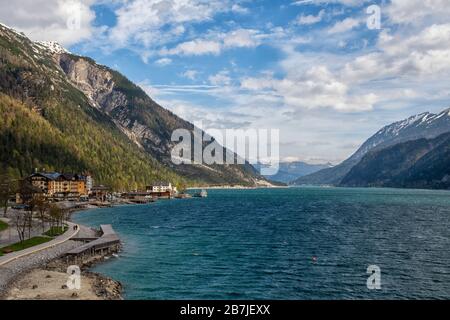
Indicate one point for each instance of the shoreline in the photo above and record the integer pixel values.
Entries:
(48, 282)
(40, 276)
(236, 187)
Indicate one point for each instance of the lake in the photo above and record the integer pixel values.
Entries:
(294, 243)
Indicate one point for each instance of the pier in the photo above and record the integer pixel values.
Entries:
(107, 243)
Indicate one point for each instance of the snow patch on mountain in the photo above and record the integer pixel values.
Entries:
(51, 46)
(424, 125)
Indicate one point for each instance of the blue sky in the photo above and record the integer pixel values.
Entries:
(313, 69)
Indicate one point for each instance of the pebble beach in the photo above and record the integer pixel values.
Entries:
(42, 276)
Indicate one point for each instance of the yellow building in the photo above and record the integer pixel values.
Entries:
(60, 185)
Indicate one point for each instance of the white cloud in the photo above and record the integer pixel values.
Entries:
(318, 2)
(194, 48)
(67, 22)
(416, 11)
(422, 54)
(344, 25)
(315, 88)
(237, 8)
(240, 38)
(220, 79)
(155, 27)
(154, 23)
(310, 19)
(163, 62)
(190, 74)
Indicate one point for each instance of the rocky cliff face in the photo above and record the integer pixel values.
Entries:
(99, 85)
(146, 123)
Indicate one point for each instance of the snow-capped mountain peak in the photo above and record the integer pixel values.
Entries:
(425, 125)
(51, 46)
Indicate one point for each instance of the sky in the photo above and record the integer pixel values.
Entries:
(319, 71)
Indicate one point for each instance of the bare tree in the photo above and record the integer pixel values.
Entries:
(42, 206)
(28, 194)
(56, 215)
(20, 221)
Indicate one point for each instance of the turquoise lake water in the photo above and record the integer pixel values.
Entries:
(260, 244)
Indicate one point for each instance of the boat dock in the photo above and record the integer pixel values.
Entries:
(107, 243)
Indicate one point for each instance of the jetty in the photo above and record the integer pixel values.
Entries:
(107, 243)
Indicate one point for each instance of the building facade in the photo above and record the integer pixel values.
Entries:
(59, 185)
(161, 187)
(161, 190)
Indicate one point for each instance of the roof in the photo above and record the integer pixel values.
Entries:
(48, 175)
(107, 230)
(109, 237)
(160, 183)
(68, 176)
(59, 176)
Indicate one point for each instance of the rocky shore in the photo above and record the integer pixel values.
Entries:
(18, 268)
(49, 283)
(43, 284)
(43, 276)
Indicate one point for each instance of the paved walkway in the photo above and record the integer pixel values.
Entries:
(69, 234)
(86, 233)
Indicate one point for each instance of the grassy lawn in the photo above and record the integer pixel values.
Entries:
(3, 225)
(56, 231)
(25, 244)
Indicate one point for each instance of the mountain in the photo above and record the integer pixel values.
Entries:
(289, 171)
(64, 112)
(425, 125)
(422, 163)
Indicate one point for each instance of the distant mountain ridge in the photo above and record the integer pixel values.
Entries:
(422, 126)
(95, 120)
(422, 163)
(290, 171)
